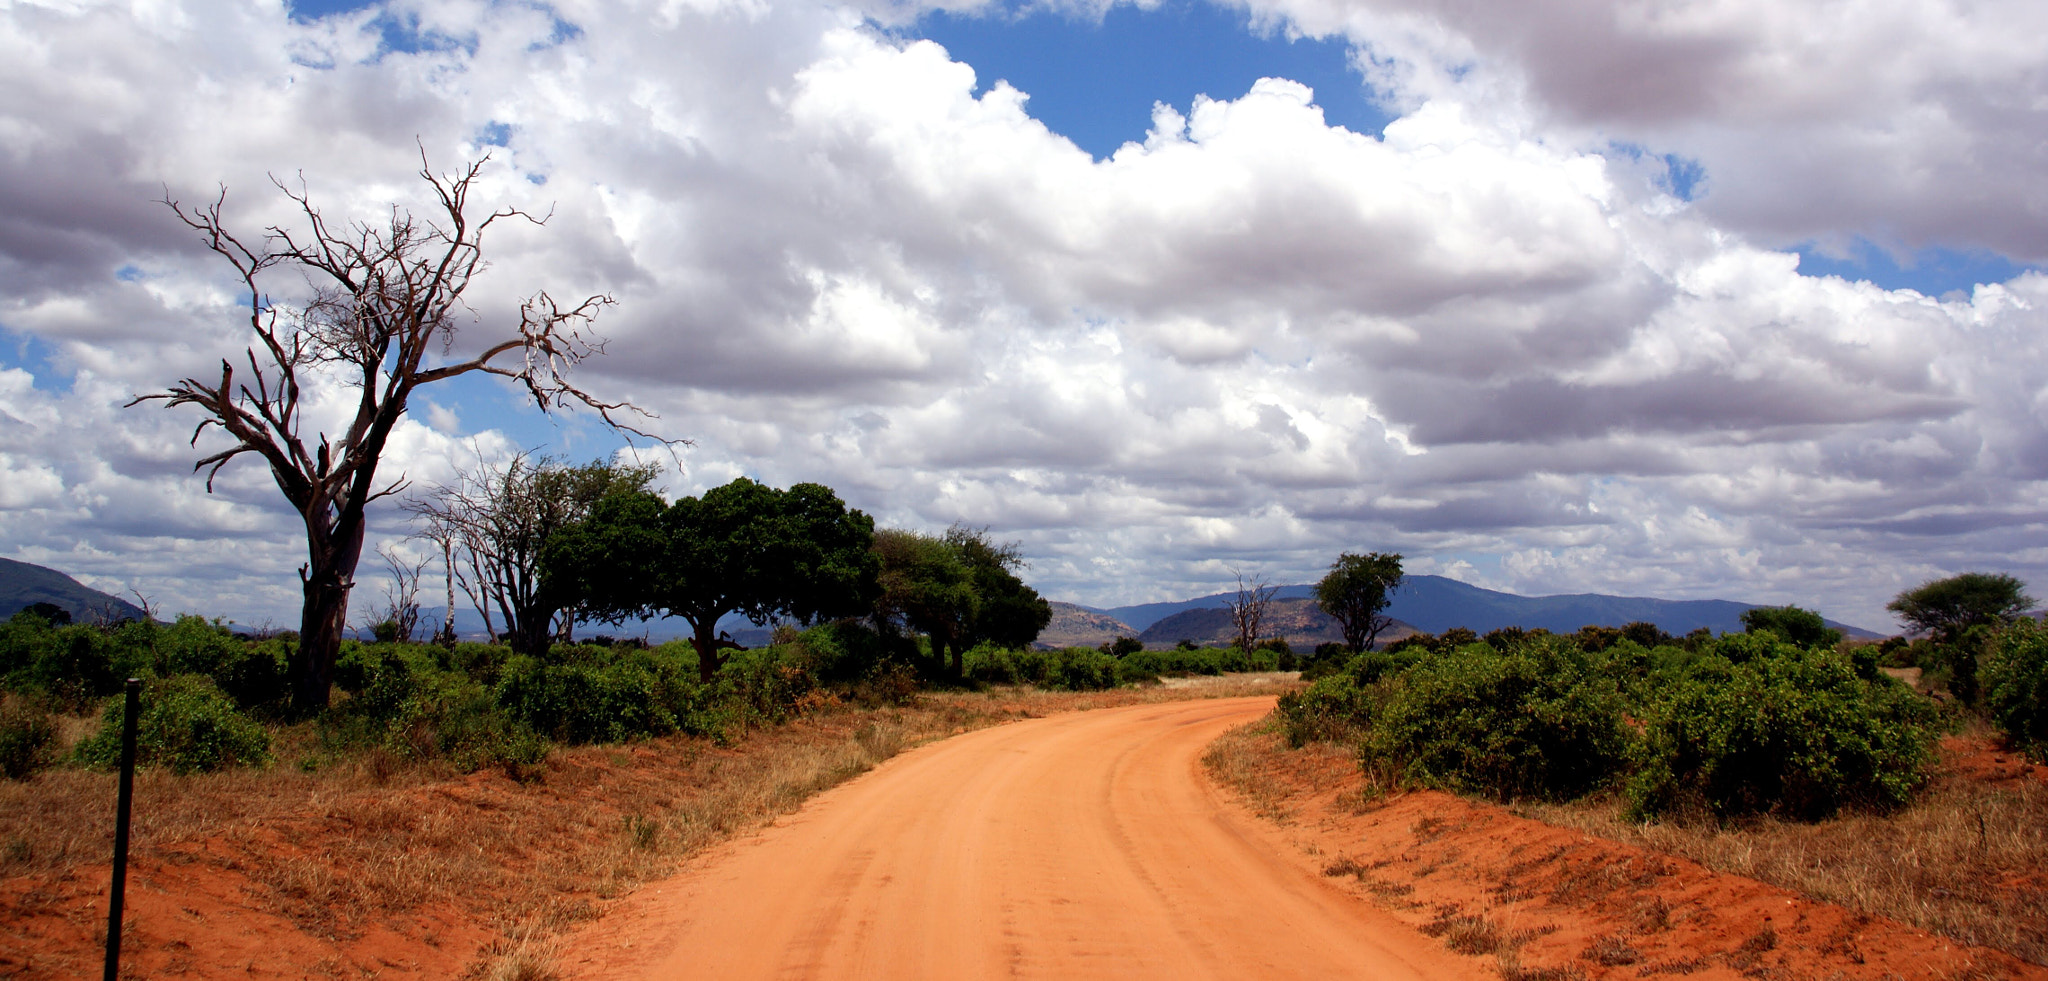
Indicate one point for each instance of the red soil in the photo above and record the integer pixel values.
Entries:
(1580, 906)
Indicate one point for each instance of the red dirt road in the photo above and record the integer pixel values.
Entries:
(1085, 845)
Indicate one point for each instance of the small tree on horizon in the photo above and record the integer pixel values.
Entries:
(1356, 593)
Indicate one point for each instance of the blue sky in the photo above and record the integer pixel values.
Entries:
(1485, 335)
(1095, 82)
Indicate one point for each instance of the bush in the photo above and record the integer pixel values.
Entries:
(75, 665)
(1333, 709)
(2015, 680)
(256, 673)
(624, 696)
(1785, 731)
(1533, 721)
(451, 716)
(1123, 646)
(26, 735)
(186, 725)
(1068, 669)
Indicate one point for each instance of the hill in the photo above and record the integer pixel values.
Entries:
(1078, 626)
(1435, 604)
(1296, 619)
(23, 584)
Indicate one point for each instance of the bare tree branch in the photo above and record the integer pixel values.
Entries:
(383, 305)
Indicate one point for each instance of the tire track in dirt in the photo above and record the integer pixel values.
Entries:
(1086, 845)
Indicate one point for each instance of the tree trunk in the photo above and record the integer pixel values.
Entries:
(448, 578)
(531, 635)
(708, 659)
(321, 622)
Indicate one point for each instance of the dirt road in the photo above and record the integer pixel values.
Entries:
(1086, 845)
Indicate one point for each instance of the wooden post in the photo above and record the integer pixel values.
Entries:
(121, 809)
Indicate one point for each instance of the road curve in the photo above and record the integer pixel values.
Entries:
(1084, 845)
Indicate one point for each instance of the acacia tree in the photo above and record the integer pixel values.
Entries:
(496, 523)
(1356, 593)
(1951, 608)
(1248, 610)
(380, 321)
(959, 589)
(1947, 607)
(743, 548)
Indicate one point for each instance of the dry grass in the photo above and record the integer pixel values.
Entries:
(376, 839)
(1241, 760)
(1968, 860)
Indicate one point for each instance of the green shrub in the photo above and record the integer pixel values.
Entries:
(1332, 709)
(631, 696)
(451, 716)
(1123, 647)
(1785, 731)
(78, 666)
(1083, 669)
(2015, 681)
(1370, 666)
(380, 677)
(1533, 721)
(256, 673)
(1068, 669)
(186, 725)
(26, 736)
(190, 645)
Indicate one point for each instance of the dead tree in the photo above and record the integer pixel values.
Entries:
(401, 595)
(1248, 610)
(381, 320)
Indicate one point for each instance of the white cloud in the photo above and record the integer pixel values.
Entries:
(1250, 341)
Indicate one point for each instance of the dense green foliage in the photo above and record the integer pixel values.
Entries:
(2015, 678)
(26, 735)
(1959, 614)
(959, 590)
(1536, 720)
(1714, 727)
(1763, 726)
(1947, 607)
(1801, 628)
(742, 547)
(186, 725)
(498, 523)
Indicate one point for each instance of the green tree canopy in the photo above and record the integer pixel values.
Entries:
(1947, 607)
(743, 548)
(1356, 593)
(958, 590)
(1801, 628)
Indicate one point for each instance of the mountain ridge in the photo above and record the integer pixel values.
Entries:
(24, 584)
(1437, 603)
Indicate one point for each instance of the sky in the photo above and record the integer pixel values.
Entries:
(1732, 299)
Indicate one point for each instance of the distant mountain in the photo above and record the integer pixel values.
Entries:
(1078, 626)
(23, 585)
(1435, 604)
(1296, 619)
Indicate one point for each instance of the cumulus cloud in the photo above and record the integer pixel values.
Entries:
(1248, 341)
(1911, 123)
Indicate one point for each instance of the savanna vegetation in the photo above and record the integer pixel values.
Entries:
(1783, 752)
